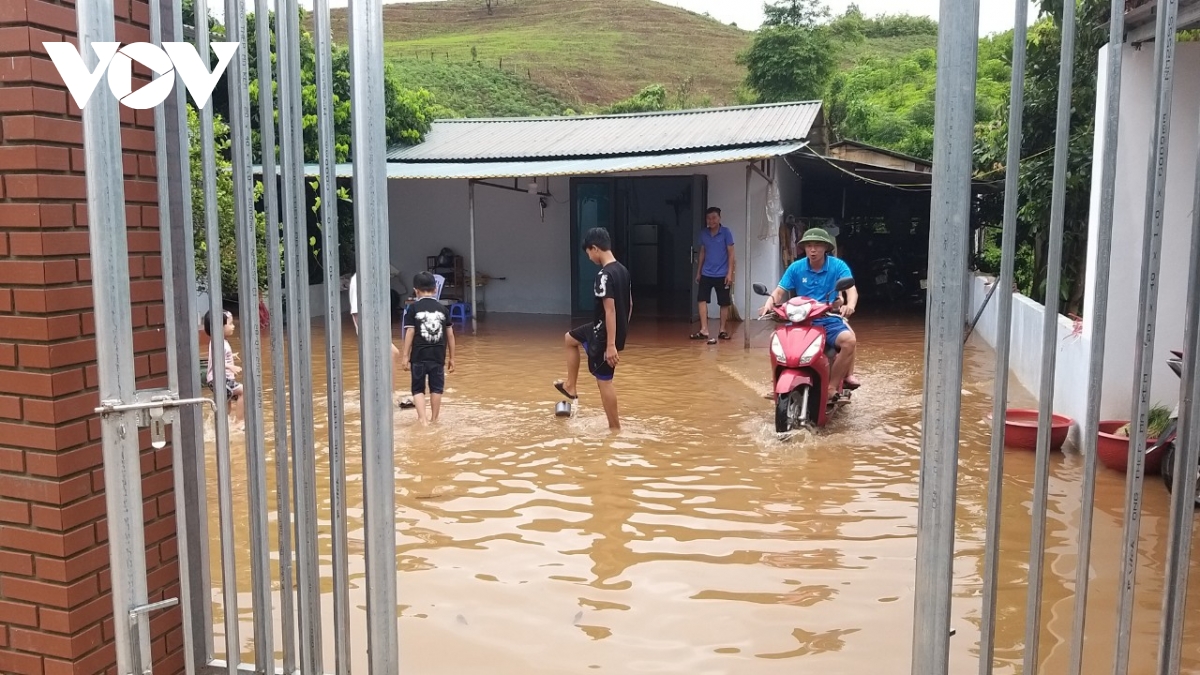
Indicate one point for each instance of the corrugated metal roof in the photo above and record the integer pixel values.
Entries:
(608, 135)
(565, 167)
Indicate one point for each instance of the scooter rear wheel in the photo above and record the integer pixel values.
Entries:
(1168, 472)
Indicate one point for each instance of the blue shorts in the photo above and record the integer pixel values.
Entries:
(834, 326)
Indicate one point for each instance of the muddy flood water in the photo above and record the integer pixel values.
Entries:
(696, 541)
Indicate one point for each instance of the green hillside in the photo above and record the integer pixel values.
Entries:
(585, 52)
(544, 57)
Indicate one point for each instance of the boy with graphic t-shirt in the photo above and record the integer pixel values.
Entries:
(428, 346)
(604, 338)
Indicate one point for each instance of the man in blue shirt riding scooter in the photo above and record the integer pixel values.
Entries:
(816, 276)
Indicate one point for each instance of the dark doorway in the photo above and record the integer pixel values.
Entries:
(653, 222)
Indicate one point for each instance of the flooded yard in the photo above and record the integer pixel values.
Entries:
(696, 541)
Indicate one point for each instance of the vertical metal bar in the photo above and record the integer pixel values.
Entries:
(191, 483)
(330, 250)
(216, 362)
(1156, 187)
(1008, 248)
(369, 143)
(1108, 182)
(474, 301)
(296, 249)
(1187, 456)
(266, 116)
(954, 122)
(107, 235)
(746, 290)
(247, 256)
(1037, 546)
(174, 199)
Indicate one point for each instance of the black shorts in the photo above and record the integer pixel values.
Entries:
(710, 284)
(597, 365)
(435, 373)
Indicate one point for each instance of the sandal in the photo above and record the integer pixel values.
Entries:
(725, 336)
(562, 389)
(699, 336)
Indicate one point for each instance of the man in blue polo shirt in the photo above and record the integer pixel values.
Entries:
(715, 272)
(816, 276)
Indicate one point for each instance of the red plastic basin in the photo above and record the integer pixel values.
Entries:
(1021, 429)
(1113, 450)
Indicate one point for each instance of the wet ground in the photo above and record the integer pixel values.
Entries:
(696, 541)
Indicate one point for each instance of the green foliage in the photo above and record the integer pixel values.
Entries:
(651, 99)
(795, 13)
(883, 25)
(407, 114)
(477, 89)
(226, 221)
(890, 102)
(1037, 150)
(789, 63)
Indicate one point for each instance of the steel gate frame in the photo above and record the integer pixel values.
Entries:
(123, 408)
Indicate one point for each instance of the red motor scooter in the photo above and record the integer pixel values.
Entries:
(801, 361)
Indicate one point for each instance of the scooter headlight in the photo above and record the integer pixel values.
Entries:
(777, 350)
(798, 313)
(812, 351)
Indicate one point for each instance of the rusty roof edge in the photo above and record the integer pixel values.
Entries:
(598, 155)
(659, 113)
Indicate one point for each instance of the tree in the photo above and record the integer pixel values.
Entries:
(408, 113)
(789, 63)
(795, 13)
(1037, 151)
(652, 98)
(226, 222)
(890, 102)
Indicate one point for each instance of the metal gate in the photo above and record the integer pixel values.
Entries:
(286, 624)
(289, 624)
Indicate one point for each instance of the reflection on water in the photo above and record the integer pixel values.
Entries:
(696, 541)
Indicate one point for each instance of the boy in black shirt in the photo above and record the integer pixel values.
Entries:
(428, 346)
(604, 338)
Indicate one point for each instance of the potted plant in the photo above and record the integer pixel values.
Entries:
(1112, 446)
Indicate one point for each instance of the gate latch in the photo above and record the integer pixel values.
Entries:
(155, 408)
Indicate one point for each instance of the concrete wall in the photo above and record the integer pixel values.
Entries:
(1133, 151)
(511, 239)
(1025, 360)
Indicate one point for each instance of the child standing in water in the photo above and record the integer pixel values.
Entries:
(233, 390)
(428, 346)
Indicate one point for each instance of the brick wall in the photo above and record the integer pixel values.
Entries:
(56, 612)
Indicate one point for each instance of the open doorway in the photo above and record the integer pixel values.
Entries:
(653, 222)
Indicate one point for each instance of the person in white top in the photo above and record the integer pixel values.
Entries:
(233, 389)
(406, 401)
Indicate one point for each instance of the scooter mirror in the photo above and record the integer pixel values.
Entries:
(761, 289)
(844, 283)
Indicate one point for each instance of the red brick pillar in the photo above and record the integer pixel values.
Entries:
(56, 614)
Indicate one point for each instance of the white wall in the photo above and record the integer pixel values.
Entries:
(1025, 351)
(512, 241)
(1133, 151)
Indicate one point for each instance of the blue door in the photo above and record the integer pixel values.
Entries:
(592, 205)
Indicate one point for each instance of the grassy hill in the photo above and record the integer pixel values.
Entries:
(585, 52)
(545, 57)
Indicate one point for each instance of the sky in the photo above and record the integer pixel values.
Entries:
(994, 15)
